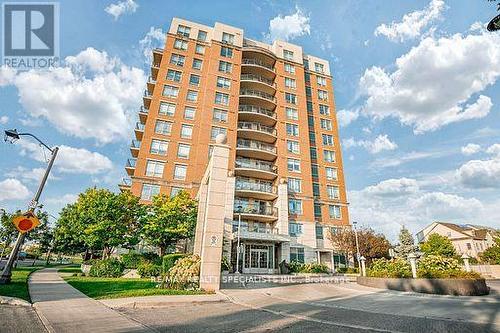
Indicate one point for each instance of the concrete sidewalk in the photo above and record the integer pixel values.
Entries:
(62, 308)
(161, 301)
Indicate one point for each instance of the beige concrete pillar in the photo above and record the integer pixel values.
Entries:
(202, 204)
(282, 205)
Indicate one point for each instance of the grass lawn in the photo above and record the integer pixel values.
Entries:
(18, 286)
(100, 288)
(70, 269)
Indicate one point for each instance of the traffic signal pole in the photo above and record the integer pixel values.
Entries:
(7, 271)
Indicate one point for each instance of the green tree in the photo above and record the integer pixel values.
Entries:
(68, 231)
(8, 231)
(438, 245)
(406, 244)
(492, 254)
(169, 220)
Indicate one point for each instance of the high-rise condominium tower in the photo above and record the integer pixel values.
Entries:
(276, 106)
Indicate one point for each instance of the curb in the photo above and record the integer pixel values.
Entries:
(161, 301)
(7, 300)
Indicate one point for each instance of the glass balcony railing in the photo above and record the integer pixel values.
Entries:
(256, 127)
(135, 144)
(250, 61)
(139, 126)
(131, 162)
(257, 93)
(257, 78)
(249, 163)
(126, 182)
(143, 110)
(254, 228)
(155, 65)
(252, 144)
(246, 184)
(151, 80)
(257, 109)
(256, 208)
(147, 93)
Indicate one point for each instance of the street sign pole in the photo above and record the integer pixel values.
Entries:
(7, 271)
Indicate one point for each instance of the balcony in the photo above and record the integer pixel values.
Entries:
(255, 113)
(139, 130)
(258, 233)
(255, 188)
(250, 48)
(256, 65)
(248, 167)
(155, 68)
(125, 184)
(150, 85)
(143, 114)
(257, 211)
(134, 147)
(256, 150)
(157, 55)
(253, 81)
(257, 98)
(146, 98)
(257, 131)
(130, 166)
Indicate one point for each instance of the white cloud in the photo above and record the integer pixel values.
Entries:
(62, 200)
(4, 120)
(93, 96)
(381, 143)
(69, 159)
(412, 24)
(494, 150)
(122, 7)
(480, 174)
(393, 188)
(13, 189)
(154, 38)
(435, 83)
(471, 149)
(7, 75)
(29, 175)
(288, 27)
(345, 117)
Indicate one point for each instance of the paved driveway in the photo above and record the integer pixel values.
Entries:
(326, 307)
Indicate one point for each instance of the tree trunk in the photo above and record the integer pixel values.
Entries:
(162, 251)
(47, 261)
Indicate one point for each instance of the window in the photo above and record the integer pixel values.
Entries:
(295, 206)
(335, 212)
(324, 110)
(316, 189)
(186, 131)
(314, 170)
(319, 232)
(180, 44)
(202, 35)
(199, 49)
(307, 77)
(194, 80)
(163, 127)
(149, 191)
(297, 254)
(312, 137)
(189, 113)
(225, 66)
(291, 98)
(154, 168)
(183, 30)
(321, 81)
(331, 173)
(329, 156)
(216, 131)
(167, 109)
(306, 63)
(292, 113)
(223, 82)
(289, 68)
(309, 106)
(180, 171)
(227, 38)
(292, 129)
(292, 146)
(288, 55)
(294, 229)
(323, 95)
(314, 153)
(226, 52)
(327, 139)
(308, 92)
(175, 190)
(177, 59)
(293, 165)
(294, 185)
(290, 83)
(192, 96)
(333, 192)
(173, 75)
(183, 150)
(159, 147)
(469, 247)
(310, 121)
(170, 91)
(317, 209)
(326, 124)
(197, 63)
(219, 115)
(318, 67)
(221, 98)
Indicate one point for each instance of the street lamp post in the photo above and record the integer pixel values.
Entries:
(238, 242)
(357, 243)
(11, 136)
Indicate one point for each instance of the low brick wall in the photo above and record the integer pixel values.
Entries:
(457, 287)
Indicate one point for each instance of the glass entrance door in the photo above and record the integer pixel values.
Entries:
(258, 258)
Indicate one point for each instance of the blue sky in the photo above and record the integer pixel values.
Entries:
(416, 88)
